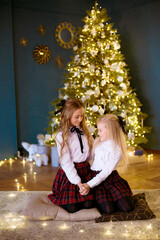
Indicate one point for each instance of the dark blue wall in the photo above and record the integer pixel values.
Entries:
(8, 128)
(35, 85)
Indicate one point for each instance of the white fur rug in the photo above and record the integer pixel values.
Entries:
(13, 227)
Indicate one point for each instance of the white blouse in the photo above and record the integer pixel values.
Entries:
(72, 154)
(106, 160)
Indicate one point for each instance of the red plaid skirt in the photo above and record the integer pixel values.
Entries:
(65, 192)
(112, 188)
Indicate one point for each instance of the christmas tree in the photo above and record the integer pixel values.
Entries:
(99, 76)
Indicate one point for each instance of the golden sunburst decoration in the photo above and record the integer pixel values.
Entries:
(41, 54)
(65, 35)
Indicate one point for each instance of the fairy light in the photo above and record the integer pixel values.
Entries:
(149, 226)
(150, 158)
(12, 195)
(24, 162)
(34, 175)
(64, 226)
(31, 169)
(11, 161)
(108, 232)
(13, 226)
(44, 224)
(18, 186)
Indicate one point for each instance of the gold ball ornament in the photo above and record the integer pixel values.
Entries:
(41, 54)
(65, 35)
(24, 42)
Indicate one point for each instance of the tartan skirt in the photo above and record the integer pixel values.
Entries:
(112, 188)
(64, 192)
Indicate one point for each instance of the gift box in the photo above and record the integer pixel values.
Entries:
(138, 152)
(54, 157)
(43, 149)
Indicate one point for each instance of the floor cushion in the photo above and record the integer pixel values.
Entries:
(39, 207)
(141, 211)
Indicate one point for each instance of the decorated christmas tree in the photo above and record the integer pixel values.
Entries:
(99, 76)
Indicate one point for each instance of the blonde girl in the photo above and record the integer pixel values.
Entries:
(74, 144)
(112, 192)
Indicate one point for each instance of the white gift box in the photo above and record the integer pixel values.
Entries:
(54, 157)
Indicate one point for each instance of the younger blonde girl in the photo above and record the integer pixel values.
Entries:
(112, 192)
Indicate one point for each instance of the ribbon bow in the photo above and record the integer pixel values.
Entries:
(79, 133)
(122, 123)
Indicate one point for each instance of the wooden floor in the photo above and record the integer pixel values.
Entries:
(18, 175)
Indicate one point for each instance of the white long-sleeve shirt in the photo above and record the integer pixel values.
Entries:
(72, 154)
(105, 160)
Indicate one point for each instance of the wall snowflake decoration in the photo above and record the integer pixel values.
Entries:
(65, 35)
(41, 54)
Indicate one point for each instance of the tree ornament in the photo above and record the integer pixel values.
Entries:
(120, 93)
(131, 135)
(86, 80)
(83, 99)
(65, 97)
(76, 58)
(103, 100)
(85, 27)
(92, 67)
(116, 45)
(75, 48)
(101, 111)
(83, 84)
(95, 108)
(91, 129)
(93, 31)
(97, 92)
(115, 66)
(93, 53)
(89, 92)
(60, 94)
(120, 78)
(123, 85)
(112, 107)
(103, 83)
(97, 72)
(87, 96)
(101, 25)
(107, 46)
(123, 114)
(106, 61)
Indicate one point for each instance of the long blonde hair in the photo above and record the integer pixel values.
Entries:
(70, 106)
(111, 122)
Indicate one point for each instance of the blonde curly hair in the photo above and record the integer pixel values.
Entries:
(70, 106)
(111, 122)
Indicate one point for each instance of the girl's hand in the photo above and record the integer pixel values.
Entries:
(84, 190)
(80, 185)
(81, 188)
